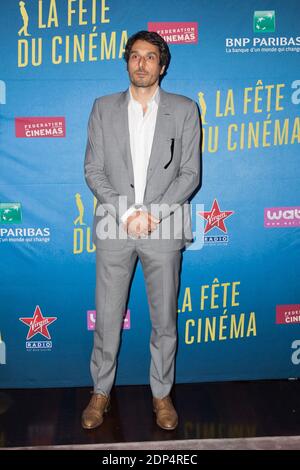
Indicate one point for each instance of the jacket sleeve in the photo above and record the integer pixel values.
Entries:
(94, 165)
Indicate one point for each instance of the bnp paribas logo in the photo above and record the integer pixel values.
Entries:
(264, 21)
(10, 213)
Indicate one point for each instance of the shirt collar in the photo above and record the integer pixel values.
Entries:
(154, 98)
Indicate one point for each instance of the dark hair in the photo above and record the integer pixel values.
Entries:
(156, 40)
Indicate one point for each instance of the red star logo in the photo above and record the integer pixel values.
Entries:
(38, 324)
(215, 217)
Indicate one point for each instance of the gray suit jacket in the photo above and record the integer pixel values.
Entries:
(172, 176)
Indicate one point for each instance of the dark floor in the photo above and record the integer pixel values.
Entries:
(40, 417)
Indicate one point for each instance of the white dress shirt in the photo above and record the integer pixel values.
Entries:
(141, 131)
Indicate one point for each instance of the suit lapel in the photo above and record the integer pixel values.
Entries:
(121, 128)
(161, 133)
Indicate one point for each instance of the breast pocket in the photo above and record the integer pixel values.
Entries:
(173, 152)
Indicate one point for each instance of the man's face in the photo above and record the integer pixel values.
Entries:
(143, 64)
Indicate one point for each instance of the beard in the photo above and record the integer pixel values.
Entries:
(144, 80)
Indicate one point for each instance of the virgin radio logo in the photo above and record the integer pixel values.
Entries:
(38, 324)
(33, 127)
(215, 223)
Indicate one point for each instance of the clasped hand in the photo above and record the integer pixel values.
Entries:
(140, 224)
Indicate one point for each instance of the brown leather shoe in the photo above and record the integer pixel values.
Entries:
(92, 416)
(166, 416)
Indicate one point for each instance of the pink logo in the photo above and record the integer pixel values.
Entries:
(91, 320)
(176, 33)
(282, 217)
(33, 127)
(126, 321)
(288, 314)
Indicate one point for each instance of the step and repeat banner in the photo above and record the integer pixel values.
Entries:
(239, 299)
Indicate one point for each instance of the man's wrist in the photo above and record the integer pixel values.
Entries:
(127, 214)
(131, 210)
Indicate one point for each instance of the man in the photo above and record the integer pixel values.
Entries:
(143, 148)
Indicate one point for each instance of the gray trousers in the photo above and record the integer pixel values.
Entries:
(114, 273)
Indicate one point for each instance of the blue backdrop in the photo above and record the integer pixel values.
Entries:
(239, 302)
